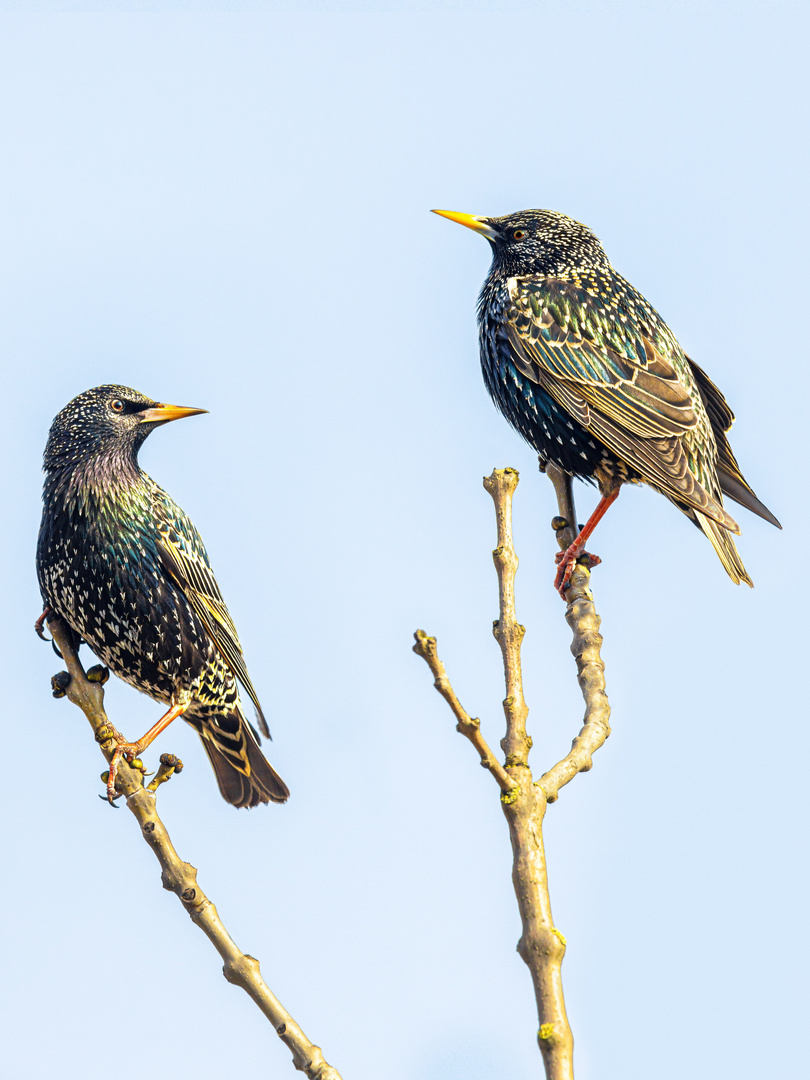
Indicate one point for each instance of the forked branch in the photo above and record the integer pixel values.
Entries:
(524, 801)
(177, 876)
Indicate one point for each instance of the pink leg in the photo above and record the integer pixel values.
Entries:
(40, 623)
(566, 560)
(132, 750)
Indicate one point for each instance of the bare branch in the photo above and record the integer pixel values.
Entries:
(541, 944)
(467, 725)
(507, 630)
(178, 876)
(584, 622)
(566, 523)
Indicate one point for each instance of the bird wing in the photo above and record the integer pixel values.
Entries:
(183, 554)
(732, 481)
(626, 382)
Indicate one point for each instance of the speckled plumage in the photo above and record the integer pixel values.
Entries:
(125, 567)
(592, 377)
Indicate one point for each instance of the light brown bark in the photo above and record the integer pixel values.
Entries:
(178, 876)
(524, 800)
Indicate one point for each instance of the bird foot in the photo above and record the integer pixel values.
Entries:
(128, 751)
(108, 737)
(40, 624)
(566, 561)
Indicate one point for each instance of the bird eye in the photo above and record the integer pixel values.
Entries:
(518, 234)
(117, 405)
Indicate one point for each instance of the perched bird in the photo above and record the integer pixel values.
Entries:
(593, 378)
(122, 564)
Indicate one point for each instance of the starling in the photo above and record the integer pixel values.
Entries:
(592, 377)
(121, 563)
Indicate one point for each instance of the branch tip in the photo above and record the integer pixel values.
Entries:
(169, 765)
(466, 725)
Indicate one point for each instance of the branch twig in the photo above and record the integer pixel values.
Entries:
(467, 725)
(541, 945)
(507, 630)
(586, 645)
(524, 801)
(178, 876)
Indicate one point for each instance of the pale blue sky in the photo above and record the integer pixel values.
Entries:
(231, 211)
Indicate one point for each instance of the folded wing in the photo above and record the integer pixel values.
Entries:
(632, 389)
(184, 557)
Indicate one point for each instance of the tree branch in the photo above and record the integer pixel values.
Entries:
(467, 725)
(541, 944)
(586, 645)
(524, 801)
(178, 876)
(507, 630)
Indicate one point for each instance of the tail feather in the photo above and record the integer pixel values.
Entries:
(732, 481)
(724, 546)
(244, 775)
(737, 489)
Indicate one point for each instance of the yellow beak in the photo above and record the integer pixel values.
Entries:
(477, 224)
(162, 414)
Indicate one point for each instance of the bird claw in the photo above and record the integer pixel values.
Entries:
(566, 561)
(39, 631)
(40, 623)
(128, 751)
(108, 737)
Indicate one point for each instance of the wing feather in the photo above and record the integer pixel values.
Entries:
(618, 383)
(732, 481)
(662, 461)
(185, 559)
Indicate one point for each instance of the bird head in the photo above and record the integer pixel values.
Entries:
(106, 423)
(536, 242)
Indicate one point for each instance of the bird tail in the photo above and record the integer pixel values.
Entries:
(733, 484)
(244, 775)
(724, 546)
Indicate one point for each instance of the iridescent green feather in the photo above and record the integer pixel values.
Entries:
(628, 378)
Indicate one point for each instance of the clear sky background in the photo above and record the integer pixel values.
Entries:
(229, 209)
